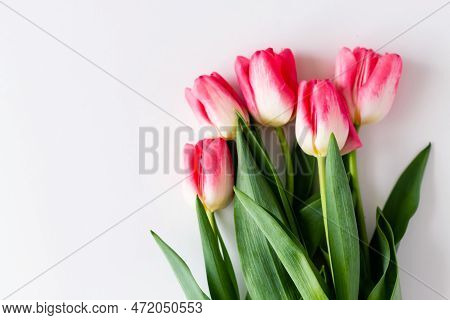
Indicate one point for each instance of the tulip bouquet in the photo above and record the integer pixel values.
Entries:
(303, 236)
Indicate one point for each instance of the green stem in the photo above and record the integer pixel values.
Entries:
(323, 200)
(360, 218)
(212, 221)
(288, 163)
(359, 209)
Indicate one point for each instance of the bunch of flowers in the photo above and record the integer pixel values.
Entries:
(304, 236)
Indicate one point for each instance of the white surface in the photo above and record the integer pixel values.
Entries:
(69, 132)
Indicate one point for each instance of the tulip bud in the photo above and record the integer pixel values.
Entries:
(268, 81)
(215, 104)
(210, 169)
(321, 112)
(368, 82)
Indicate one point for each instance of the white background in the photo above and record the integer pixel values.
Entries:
(69, 132)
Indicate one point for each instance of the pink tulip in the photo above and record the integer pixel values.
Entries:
(321, 112)
(215, 104)
(368, 82)
(210, 170)
(268, 81)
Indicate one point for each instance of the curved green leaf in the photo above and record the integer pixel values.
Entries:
(311, 224)
(261, 157)
(292, 254)
(220, 282)
(263, 273)
(190, 287)
(305, 174)
(228, 263)
(343, 239)
(383, 251)
(381, 257)
(226, 256)
(404, 198)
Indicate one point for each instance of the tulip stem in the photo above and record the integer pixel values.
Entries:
(359, 213)
(289, 172)
(323, 200)
(359, 209)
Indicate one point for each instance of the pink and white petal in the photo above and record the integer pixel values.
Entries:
(197, 107)
(288, 68)
(219, 104)
(345, 72)
(242, 72)
(240, 105)
(366, 59)
(376, 96)
(305, 107)
(226, 86)
(345, 68)
(217, 177)
(305, 137)
(330, 118)
(353, 142)
(191, 168)
(274, 99)
(198, 171)
(304, 124)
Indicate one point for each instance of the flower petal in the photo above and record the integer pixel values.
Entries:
(192, 170)
(304, 124)
(241, 68)
(288, 68)
(376, 96)
(226, 86)
(331, 116)
(230, 89)
(353, 142)
(217, 174)
(366, 60)
(219, 103)
(345, 72)
(197, 107)
(274, 99)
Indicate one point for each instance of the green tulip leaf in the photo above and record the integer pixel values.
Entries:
(221, 284)
(305, 174)
(343, 241)
(227, 261)
(184, 275)
(262, 160)
(264, 275)
(311, 224)
(403, 201)
(383, 254)
(288, 249)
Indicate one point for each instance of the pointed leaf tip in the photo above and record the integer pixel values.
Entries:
(403, 200)
(184, 275)
(340, 224)
(291, 253)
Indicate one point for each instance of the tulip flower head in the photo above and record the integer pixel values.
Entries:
(268, 81)
(210, 171)
(368, 82)
(321, 112)
(215, 104)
